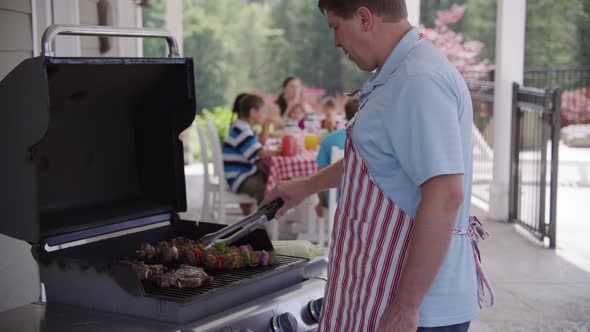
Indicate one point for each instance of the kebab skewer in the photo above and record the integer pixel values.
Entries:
(219, 256)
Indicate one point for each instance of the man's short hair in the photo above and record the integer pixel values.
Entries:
(392, 10)
(247, 103)
(350, 108)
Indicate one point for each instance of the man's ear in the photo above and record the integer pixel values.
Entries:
(366, 17)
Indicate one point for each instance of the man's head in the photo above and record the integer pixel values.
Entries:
(366, 30)
(251, 109)
(350, 108)
(390, 10)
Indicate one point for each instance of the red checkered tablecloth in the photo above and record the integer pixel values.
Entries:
(285, 168)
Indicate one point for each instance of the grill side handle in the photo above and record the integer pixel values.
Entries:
(95, 30)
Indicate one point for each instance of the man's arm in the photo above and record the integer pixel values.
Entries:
(295, 191)
(430, 239)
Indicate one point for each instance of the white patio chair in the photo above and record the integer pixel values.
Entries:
(224, 196)
(210, 182)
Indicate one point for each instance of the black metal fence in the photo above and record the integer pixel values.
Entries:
(574, 82)
(482, 96)
(536, 124)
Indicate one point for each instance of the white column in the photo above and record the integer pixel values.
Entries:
(126, 16)
(174, 21)
(139, 24)
(40, 20)
(66, 12)
(413, 11)
(510, 46)
(174, 25)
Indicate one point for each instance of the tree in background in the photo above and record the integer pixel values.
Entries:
(551, 37)
(557, 32)
(429, 8)
(479, 23)
(153, 18)
(203, 41)
(241, 45)
(583, 24)
(464, 55)
(306, 48)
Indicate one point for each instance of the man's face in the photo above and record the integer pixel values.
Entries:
(350, 37)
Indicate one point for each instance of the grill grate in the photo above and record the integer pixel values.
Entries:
(222, 281)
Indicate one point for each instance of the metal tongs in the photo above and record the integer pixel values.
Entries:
(258, 218)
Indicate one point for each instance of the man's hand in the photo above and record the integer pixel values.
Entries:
(396, 319)
(291, 192)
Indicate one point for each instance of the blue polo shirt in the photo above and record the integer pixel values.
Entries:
(415, 123)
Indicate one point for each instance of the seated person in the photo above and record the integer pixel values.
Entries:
(242, 151)
(335, 138)
(329, 110)
(296, 115)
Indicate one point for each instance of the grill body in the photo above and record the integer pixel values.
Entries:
(92, 156)
(89, 276)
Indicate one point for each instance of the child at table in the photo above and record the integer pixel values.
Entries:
(296, 116)
(335, 138)
(328, 114)
(242, 151)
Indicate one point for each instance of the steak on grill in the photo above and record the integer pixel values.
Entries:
(184, 277)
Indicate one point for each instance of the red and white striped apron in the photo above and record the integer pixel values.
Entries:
(369, 248)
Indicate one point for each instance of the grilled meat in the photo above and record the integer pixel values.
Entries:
(145, 271)
(187, 251)
(185, 277)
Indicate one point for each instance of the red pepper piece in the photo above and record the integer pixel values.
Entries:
(219, 261)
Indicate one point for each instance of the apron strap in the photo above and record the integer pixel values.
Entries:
(476, 232)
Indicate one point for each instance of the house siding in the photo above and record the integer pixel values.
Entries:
(20, 276)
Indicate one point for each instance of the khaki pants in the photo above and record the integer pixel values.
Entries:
(254, 185)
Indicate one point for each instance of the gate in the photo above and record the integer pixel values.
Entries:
(536, 121)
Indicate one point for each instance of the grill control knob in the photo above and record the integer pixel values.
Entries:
(314, 307)
(285, 322)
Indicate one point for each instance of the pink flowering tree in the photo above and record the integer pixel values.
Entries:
(464, 55)
(575, 106)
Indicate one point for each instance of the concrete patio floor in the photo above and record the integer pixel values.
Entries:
(537, 289)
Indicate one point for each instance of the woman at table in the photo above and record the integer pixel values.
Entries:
(290, 94)
(242, 151)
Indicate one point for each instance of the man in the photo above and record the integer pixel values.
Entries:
(406, 176)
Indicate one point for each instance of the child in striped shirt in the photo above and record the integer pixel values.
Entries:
(242, 151)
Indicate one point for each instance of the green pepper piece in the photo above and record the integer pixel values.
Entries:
(247, 257)
(221, 247)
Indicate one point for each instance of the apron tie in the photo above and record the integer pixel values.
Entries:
(477, 232)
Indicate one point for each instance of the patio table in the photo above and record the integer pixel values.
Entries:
(291, 167)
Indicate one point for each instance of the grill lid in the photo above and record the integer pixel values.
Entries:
(90, 145)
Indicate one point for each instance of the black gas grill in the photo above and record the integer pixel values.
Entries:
(92, 154)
